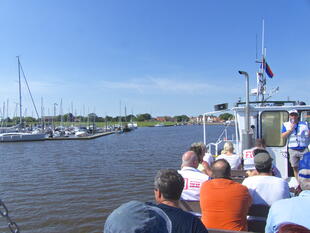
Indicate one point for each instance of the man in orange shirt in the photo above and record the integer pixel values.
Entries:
(224, 203)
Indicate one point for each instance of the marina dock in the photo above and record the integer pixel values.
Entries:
(97, 135)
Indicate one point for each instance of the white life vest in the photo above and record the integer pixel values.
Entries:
(299, 137)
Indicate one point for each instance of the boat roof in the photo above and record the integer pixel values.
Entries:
(265, 106)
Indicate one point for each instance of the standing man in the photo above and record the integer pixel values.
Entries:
(297, 133)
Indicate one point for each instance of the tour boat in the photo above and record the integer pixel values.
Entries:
(259, 118)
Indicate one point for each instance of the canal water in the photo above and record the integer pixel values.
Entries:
(72, 186)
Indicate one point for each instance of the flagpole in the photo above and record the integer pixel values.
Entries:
(263, 62)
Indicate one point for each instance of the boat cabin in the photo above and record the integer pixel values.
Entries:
(264, 121)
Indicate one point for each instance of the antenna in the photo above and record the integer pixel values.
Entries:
(256, 48)
(272, 92)
(261, 78)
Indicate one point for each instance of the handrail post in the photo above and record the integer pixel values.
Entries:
(204, 129)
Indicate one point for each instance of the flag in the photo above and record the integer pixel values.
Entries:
(267, 69)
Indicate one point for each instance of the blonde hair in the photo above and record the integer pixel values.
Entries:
(228, 147)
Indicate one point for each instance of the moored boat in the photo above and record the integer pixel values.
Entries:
(21, 137)
(21, 134)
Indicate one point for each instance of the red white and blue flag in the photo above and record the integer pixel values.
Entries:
(267, 69)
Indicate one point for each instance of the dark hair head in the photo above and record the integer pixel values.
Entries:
(170, 183)
(221, 169)
(257, 151)
(260, 142)
(266, 169)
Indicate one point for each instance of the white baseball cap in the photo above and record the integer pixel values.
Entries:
(293, 111)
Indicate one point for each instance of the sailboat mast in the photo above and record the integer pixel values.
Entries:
(120, 114)
(42, 114)
(61, 113)
(20, 93)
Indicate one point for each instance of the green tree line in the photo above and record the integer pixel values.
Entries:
(69, 117)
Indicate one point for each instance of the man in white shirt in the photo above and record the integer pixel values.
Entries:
(193, 178)
(296, 209)
(264, 188)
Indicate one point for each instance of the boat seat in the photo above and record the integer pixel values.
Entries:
(258, 211)
(211, 230)
(190, 206)
(238, 175)
(253, 225)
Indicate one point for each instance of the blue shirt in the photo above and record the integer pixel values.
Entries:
(293, 210)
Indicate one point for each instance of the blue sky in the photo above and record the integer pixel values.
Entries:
(164, 57)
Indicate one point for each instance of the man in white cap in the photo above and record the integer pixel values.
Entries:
(297, 133)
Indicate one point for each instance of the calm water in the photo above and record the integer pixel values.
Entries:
(72, 186)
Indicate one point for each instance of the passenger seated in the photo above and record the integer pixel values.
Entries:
(224, 203)
(264, 188)
(248, 161)
(193, 178)
(135, 216)
(234, 160)
(293, 228)
(169, 185)
(295, 209)
(248, 156)
(205, 158)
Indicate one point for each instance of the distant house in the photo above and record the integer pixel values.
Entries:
(164, 118)
(209, 119)
(49, 118)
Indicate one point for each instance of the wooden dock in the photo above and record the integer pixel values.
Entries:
(97, 135)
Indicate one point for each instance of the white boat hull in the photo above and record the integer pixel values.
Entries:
(81, 134)
(21, 137)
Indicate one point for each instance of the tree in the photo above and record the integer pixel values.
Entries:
(129, 117)
(144, 117)
(29, 119)
(181, 118)
(226, 116)
(109, 118)
(69, 117)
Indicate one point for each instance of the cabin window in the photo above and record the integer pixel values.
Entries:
(305, 116)
(272, 126)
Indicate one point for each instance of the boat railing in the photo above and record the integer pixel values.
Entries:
(213, 147)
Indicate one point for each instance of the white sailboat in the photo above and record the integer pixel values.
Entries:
(22, 135)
